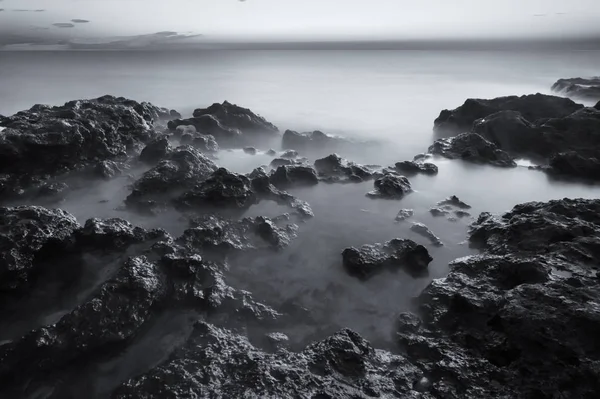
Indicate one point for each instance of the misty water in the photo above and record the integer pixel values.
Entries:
(391, 97)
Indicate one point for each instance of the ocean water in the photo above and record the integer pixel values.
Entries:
(391, 97)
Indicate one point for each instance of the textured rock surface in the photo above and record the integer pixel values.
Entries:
(587, 89)
(413, 168)
(335, 169)
(391, 186)
(294, 175)
(404, 214)
(424, 231)
(156, 150)
(316, 140)
(473, 148)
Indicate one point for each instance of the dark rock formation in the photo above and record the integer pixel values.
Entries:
(231, 125)
(472, 147)
(369, 260)
(462, 214)
(156, 150)
(442, 211)
(587, 89)
(316, 140)
(531, 107)
(391, 186)
(205, 143)
(571, 164)
(413, 168)
(335, 169)
(277, 162)
(454, 201)
(223, 189)
(250, 150)
(424, 231)
(183, 169)
(294, 175)
(109, 169)
(290, 154)
(404, 214)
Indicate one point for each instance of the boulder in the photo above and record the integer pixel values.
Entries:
(532, 107)
(571, 164)
(404, 214)
(271, 152)
(441, 211)
(391, 186)
(205, 143)
(586, 89)
(471, 147)
(156, 150)
(335, 169)
(316, 140)
(369, 260)
(454, 201)
(109, 169)
(414, 168)
(424, 231)
(277, 162)
(294, 175)
(290, 154)
(250, 150)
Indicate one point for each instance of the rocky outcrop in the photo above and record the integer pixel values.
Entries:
(404, 214)
(532, 107)
(471, 147)
(250, 150)
(414, 168)
(571, 164)
(156, 150)
(335, 169)
(454, 201)
(424, 231)
(205, 143)
(586, 89)
(369, 260)
(391, 186)
(294, 175)
(231, 125)
(316, 140)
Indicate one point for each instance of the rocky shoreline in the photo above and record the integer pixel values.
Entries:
(107, 309)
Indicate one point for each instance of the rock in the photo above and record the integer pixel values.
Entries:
(454, 201)
(277, 162)
(271, 152)
(509, 130)
(404, 214)
(232, 126)
(316, 140)
(424, 231)
(597, 106)
(50, 140)
(109, 169)
(114, 235)
(290, 154)
(391, 186)
(250, 150)
(205, 143)
(369, 260)
(472, 147)
(334, 169)
(52, 192)
(572, 164)
(183, 169)
(27, 235)
(156, 150)
(462, 214)
(524, 312)
(439, 211)
(223, 189)
(294, 175)
(587, 89)
(413, 168)
(186, 138)
(532, 107)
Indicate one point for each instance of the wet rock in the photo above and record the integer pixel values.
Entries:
(587, 89)
(294, 175)
(250, 150)
(532, 107)
(391, 186)
(114, 235)
(413, 168)
(205, 143)
(52, 192)
(472, 147)
(109, 169)
(509, 130)
(439, 211)
(231, 125)
(334, 169)
(424, 231)
(27, 235)
(156, 150)
(369, 260)
(316, 140)
(223, 189)
(462, 214)
(455, 202)
(290, 154)
(183, 169)
(571, 164)
(344, 365)
(404, 214)
(271, 152)
(277, 162)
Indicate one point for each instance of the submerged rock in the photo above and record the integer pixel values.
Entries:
(271, 152)
(413, 168)
(404, 214)
(454, 201)
(369, 260)
(532, 107)
(334, 169)
(290, 154)
(472, 147)
(391, 186)
(587, 89)
(294, 175)
(424, 231)
(250, 150)
(316, 140)
(443, 211)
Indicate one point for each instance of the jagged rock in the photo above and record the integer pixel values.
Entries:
(231, 125)
(424, 231)
(183, 169)
(156, 150)
(334, 168)
(454, 201)
(114, 234)
(524, 313)
(277, 162)
(52, 192)
(294, 175)
(108, 169)
(404, 214)
(344, 365)
(588, 89)
(223, 189)
(509, 130)
(290, 154)
(391, 186)
(574, 165)
(205, 143)
(413, 168)
(462, 214)
(472, 147)
(316, 140)
(27, 234)
(439, 211)
(369, 260)
(250, 150)
(531, 107)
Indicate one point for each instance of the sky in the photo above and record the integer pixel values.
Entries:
(281, 20)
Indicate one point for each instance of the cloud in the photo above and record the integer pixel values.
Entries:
(24, 10)
(80, 21)
(63, 25)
